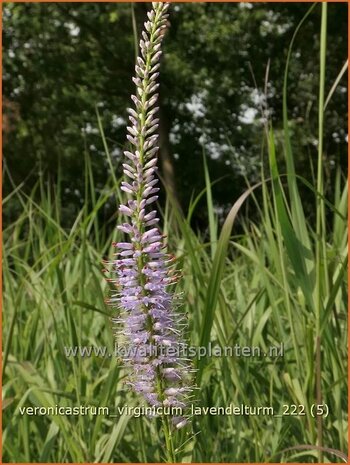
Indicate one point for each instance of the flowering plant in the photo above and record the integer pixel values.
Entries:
(147, 321)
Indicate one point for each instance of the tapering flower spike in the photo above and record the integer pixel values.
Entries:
(147, 323)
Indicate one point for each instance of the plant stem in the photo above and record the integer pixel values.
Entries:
(320, 224)
(168, 436)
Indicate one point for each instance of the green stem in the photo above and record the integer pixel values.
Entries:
(168, 436)
(320, 223)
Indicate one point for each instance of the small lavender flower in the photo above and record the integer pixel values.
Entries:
(147, 321)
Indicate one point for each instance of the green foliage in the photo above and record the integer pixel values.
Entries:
(54, 297)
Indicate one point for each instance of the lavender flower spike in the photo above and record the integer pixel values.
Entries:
(147, 323)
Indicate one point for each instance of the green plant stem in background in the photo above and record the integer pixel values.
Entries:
(321, 268)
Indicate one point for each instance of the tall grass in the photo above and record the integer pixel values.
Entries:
(282, 280)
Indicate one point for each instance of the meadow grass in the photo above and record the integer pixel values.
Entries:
(282, 280)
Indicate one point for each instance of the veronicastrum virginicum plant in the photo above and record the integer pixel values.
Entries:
(148, 326)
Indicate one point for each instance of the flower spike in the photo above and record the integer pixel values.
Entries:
(147, 324)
